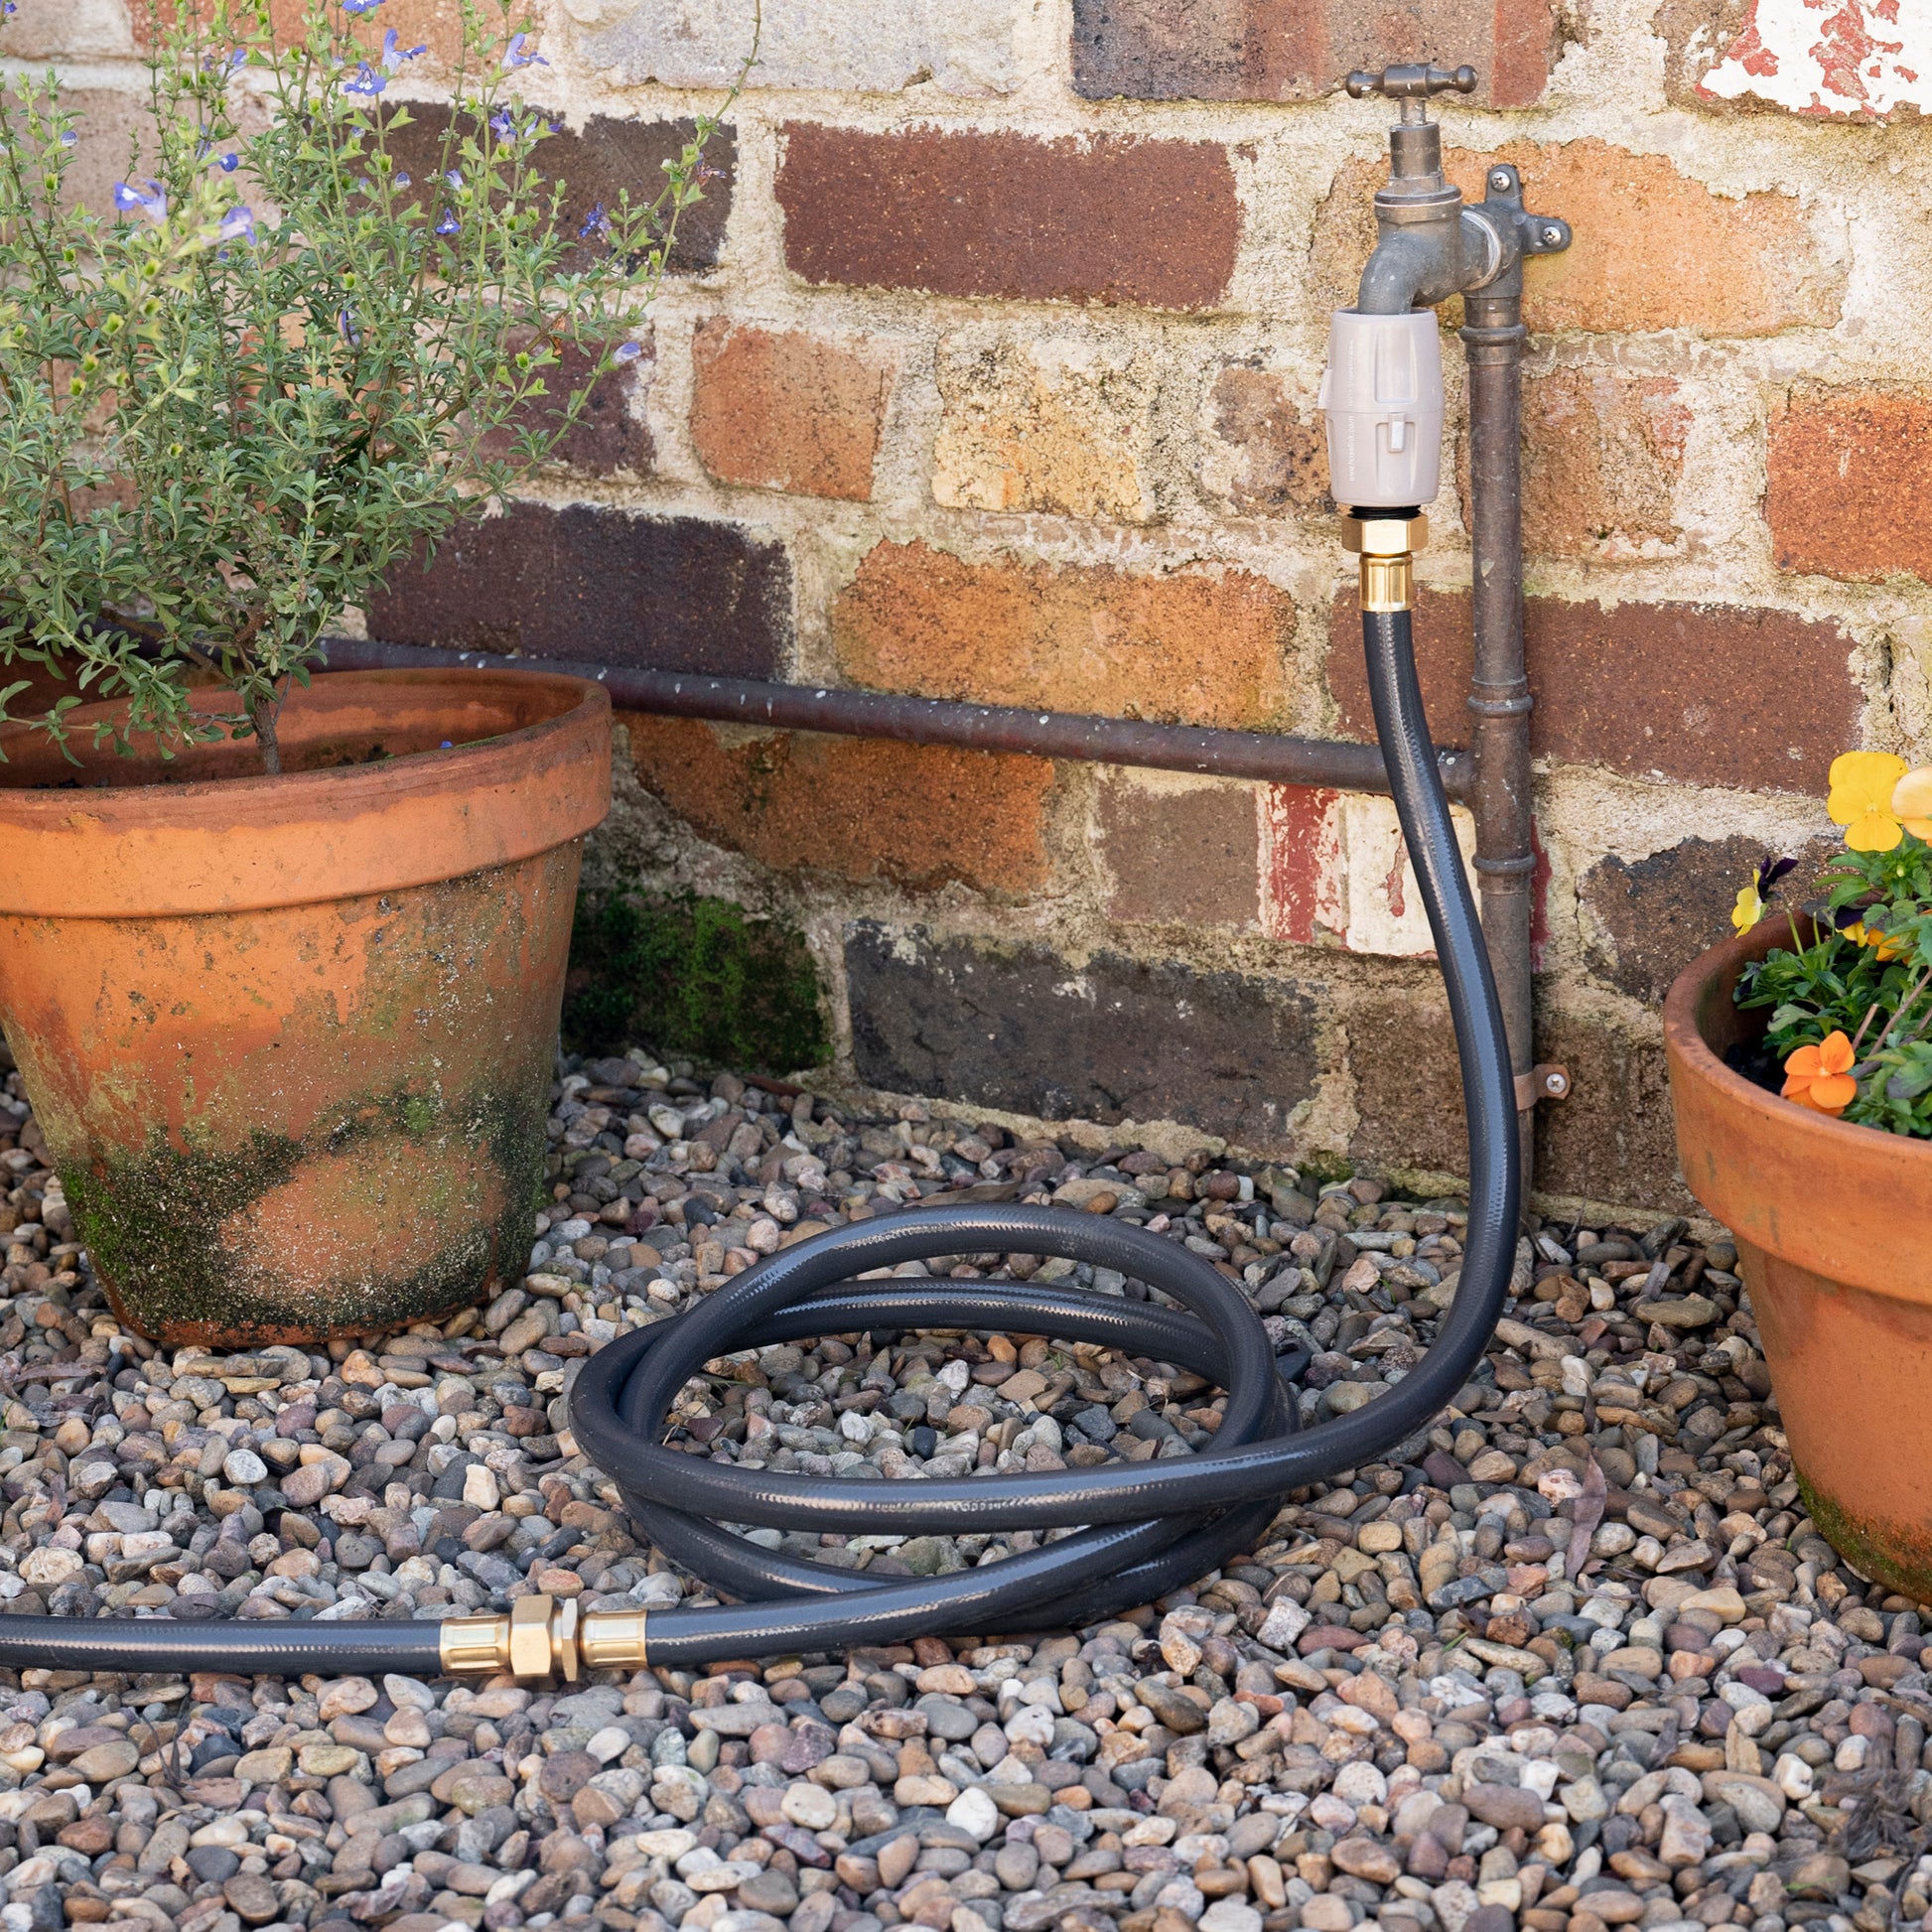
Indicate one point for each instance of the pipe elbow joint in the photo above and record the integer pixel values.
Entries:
(1398, 274)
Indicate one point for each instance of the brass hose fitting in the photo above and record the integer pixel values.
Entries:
(542, 1639)
(1386, 545)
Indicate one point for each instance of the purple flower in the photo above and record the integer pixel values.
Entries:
(627, 352)
(403, 177)
(595, 222)
(448, 223)
(8, 10)
(239, 224)
(454, 178)
(366, 81)
(517, 55)
(154, 204)
(68, 138)
(502, 124)
(345, 325)
(393, 55)
(360, 6)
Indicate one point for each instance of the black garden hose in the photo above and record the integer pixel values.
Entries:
(1142, 1529)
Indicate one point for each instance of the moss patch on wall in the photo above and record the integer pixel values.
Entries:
(693, 976)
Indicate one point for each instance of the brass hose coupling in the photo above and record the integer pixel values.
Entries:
(544, 1638)
(1386, 545)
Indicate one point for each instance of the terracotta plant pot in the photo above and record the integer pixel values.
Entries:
(289, 1039)
(1834, 1227)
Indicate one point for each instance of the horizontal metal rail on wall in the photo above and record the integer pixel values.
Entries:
(1256, 756)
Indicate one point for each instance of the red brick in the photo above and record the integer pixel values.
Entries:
(435, 24)
(600, 586)
(1701, 693)
(1603, 452)
(1201, 648)
(1848, 474)
(610, 434)
(1102, 218)
(777, 409)
(1260, 50)
(861, 809)
(1179, 852)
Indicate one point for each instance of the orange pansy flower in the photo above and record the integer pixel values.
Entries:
(1821, 1076)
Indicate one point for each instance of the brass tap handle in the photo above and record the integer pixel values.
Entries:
(1412, 83)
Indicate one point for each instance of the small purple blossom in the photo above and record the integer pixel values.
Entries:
(595, 222)
(502, 124)
(448, 223)
(153, 204)
(455, 177)
(393, 55)
(627, 352)
(68, 138)
(360, 6)
(239, 224)
(403, 177)
(8, 10)
(518, 55)
(367, 82)
(347, 326)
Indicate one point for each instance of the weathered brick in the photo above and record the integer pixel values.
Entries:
(1105, 218)
(1262, 453)
(598, 164)
(1022, 1028)
(1871, 60)
(49, 29)
(778, 409)
(1646, 919)
(857, 808)
(1654, 248)
(869, 46)
(1180, 850)
(1206, 648)
(1694, 692)
(1603, 452)
(602, 587)
(1847, 473)
(1255, 49)
(1057, 426)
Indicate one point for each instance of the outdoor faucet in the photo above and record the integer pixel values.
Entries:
(1382, 396)
(1431, 246)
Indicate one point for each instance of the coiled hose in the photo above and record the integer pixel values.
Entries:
(1143, 1528)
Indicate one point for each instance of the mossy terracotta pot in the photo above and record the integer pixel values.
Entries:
(290, 1038)
(1834, 1230)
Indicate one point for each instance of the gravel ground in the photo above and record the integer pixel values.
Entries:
(1576, 1661)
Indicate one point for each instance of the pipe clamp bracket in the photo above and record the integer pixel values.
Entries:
(1546, 1081)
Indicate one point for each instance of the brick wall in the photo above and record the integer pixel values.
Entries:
(989, 373)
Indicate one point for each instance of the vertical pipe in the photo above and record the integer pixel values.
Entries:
(1499, 691)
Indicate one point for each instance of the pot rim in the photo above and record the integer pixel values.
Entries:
(224, 845)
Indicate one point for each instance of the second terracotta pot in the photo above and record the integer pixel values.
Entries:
(1834, 1230)
(290, 1039)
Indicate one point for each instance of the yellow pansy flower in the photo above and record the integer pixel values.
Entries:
(1860, 799)
(1911, 803)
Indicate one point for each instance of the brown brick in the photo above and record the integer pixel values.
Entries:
(599, 587)
(1261, 454)
(435, 24)
(800, 802)
(1847, 478)
(1109, 1038)
(598, 164)
(1105, 218)
(1654, 248)
(1408, 1087)
(1179, 852)
(777, 409)
(608, 436)
(1257, 50)
(1701, 693)
(1206, 648)
(1613, 1138)
(1603, 452)
(1648, 918)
